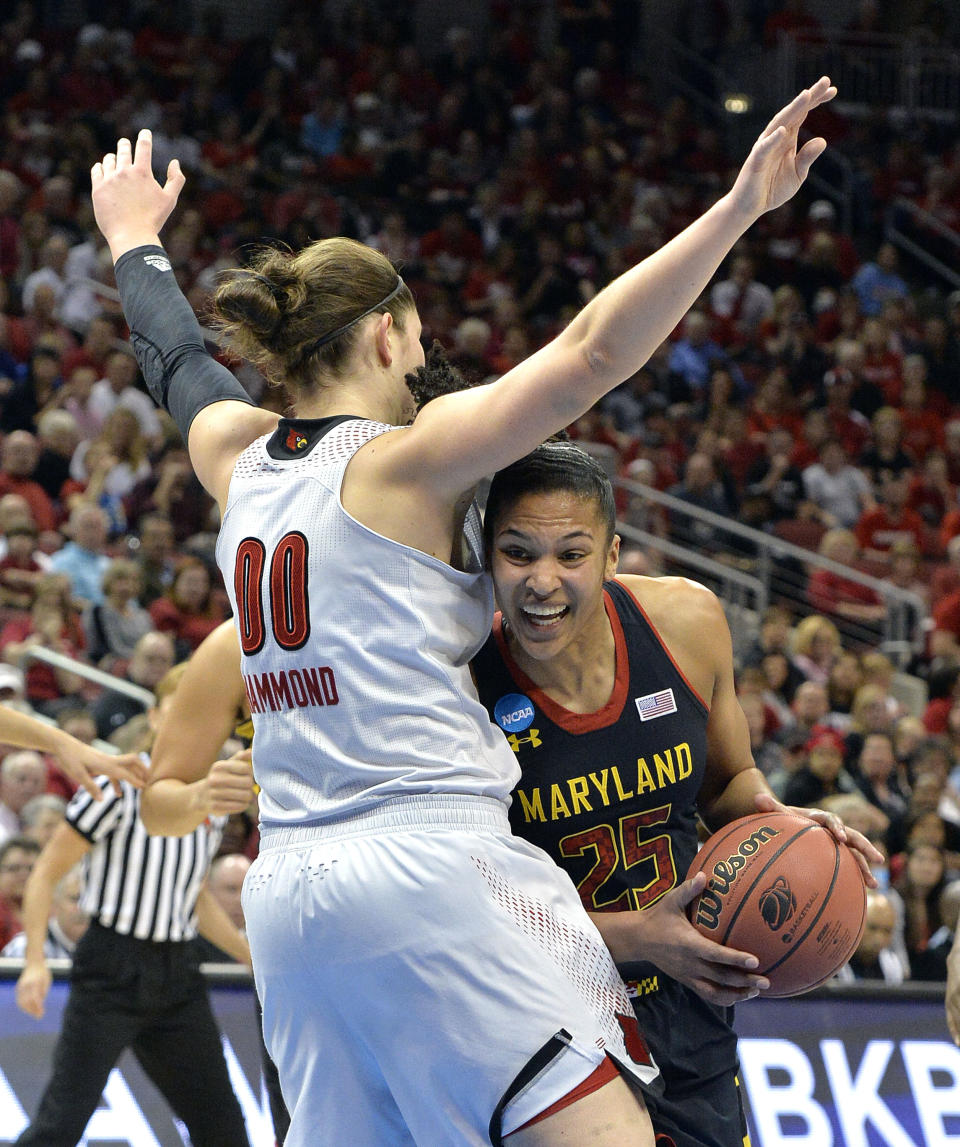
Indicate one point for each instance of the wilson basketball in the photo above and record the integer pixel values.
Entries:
(781, 887)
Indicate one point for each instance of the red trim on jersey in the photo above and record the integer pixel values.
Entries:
(606, 1072)
(564, 718)
(663, 644)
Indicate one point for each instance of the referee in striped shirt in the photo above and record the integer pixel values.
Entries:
(136, 979)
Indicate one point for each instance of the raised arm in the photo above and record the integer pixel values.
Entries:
(458, 439)
(78, 761)
(131, 208)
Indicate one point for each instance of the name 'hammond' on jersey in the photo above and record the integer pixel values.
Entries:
(291, 688)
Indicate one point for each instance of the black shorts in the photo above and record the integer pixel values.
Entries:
(697, 1101)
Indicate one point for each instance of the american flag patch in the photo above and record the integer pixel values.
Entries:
(656, 704)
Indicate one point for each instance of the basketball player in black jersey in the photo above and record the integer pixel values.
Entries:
(618, 698)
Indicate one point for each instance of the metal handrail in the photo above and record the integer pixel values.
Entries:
(768, 548)
(908, 243)
(98, 676)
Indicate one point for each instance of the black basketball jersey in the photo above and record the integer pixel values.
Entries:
(612, 797)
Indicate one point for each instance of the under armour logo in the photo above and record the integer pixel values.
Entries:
(532, 739)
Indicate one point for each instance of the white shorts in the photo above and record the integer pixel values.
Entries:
(411, 965)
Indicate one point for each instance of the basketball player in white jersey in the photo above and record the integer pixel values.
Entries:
(426, 977)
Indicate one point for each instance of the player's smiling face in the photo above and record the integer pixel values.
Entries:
(549, 562)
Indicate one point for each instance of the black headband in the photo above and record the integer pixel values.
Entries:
(324, 339)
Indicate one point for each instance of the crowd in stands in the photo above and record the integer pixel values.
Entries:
(816, 382)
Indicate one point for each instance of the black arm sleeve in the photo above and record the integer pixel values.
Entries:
(179, 371)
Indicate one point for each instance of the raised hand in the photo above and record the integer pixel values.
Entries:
(129, 204)
(777, 165)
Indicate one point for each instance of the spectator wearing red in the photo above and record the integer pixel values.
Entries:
(882, 365)
(922, 426)
(53, 623)
(890, 520)
(932, 494)
(773, 407)
(849, 426)
(951, 449)
(792, 19)
(944, 689)
(814, 433)
(945, 578)
(19, 568)
(98, 342)
(191, 610)
(451, 250)
(834, 595)
(18, 461)
(946, 613)
(18, 854)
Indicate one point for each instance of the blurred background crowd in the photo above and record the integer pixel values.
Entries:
(511, 166)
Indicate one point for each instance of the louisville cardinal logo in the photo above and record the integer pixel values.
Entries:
(296, 440)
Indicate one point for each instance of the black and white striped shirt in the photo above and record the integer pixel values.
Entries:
(140, 885)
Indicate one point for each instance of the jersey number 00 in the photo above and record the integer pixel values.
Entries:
(289, 602)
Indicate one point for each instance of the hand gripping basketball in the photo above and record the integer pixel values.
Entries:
(783, 887)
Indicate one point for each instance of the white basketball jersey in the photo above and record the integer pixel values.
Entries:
(356, 649)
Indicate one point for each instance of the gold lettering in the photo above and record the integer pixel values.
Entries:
(558, 806)
(665, 770)
(601, 783)
(645, 781)
(578, 794)
(615, 773)
(684, 761)
(532, 806)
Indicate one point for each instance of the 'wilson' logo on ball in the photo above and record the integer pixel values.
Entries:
(725, 872)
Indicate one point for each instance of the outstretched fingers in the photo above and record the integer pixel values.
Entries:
(793, 115)
(175, 179)
(807, 154)
(144, 152)
(124, 154)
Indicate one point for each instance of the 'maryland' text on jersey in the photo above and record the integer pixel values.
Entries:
(605, 787)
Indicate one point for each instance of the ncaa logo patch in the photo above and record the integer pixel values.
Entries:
(514, 712)
(158, 262)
